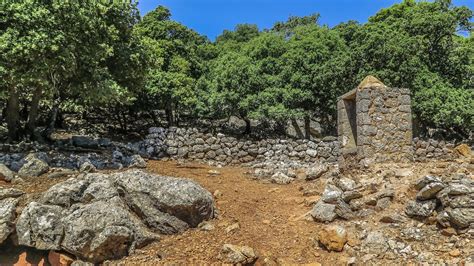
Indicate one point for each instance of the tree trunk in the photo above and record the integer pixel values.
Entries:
(307, 127)
(48, 131)
(13, 116)
(248, 128)
(169, 115)
(33, 113)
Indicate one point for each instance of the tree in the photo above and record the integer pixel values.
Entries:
(271, 100)
(316, 64)
(59, 51)
(233, 81)
(175, 63)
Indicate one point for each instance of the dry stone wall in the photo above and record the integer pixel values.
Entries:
(192, 144)
(432, 149)
(219, 148)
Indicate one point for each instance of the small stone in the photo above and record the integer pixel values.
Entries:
(87, 167)
(137, 161)
(420, 209)
(217, 194)
(233, 227)
(34, 166)
(430, 191)
(331, 194)
(323, 212)
(347, 196)
(280, 178)
(383, 203)
(241, 255)
(394, 218)
(345, 184)
(333, 238)
(316, 172)
(10, 193)
(455, 253)
(5, 173)
(206, 226)
(427, 180)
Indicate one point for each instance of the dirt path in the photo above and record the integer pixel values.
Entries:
(269, 216)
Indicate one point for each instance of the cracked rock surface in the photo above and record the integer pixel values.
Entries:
(97, 217)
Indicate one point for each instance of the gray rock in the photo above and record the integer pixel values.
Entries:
(430, 191)
(375, 242)
(7, 217)
(331, 194)
(159, 198)
(99, 217)
(343, 210)
(346, 184)
(383, 203)
(6, 193)
(347, 196)
(6, 173)
(393, 218)
(40, 226)
(281, 178)
(102, 230)
(323, 212)
(137, 161)
(33, 167)
(426, 180)
(316, 172)
(87, 167)
(312, 153)
(420, 209)
(461, 217)
(237, 255)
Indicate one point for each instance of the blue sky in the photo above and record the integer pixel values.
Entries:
(211, 17)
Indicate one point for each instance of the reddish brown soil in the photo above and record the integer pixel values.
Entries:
(270, 218)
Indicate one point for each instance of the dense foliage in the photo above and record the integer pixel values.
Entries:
(76, 56)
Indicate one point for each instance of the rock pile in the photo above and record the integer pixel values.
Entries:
(98, 217)
(452, 199)
(346, 199)
(38, 163)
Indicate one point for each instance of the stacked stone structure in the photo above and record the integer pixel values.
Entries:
(190, 143)
(374, 125)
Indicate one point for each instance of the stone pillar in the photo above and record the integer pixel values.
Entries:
(381, 125)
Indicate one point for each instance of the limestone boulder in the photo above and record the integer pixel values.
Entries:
(7, 217)
(323, 212)
(34, 166)
(316, 172)
(5, 173)
(97, 217)
(281, 178)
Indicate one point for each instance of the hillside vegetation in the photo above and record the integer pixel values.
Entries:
(78, 57)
